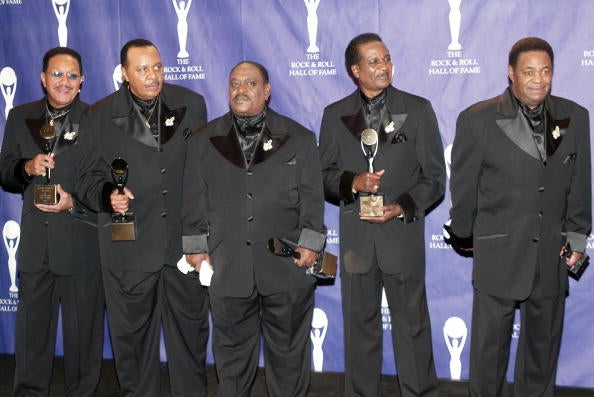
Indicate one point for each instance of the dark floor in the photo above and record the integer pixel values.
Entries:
(322, 385)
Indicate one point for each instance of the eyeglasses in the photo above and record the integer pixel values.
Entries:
(70, 76)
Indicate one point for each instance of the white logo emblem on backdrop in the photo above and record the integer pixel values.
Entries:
(312, 64)
(319, 327)
(312, 24)
(447, 154)
(117, 77)
(61, 8)
(455, 332)
(181, 9)
(8, 84)
(455, 19)
(385, 311)
(11, 234)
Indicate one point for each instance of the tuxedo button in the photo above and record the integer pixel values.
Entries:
(248, 242)
(540, 214)
(541, 189)
(249, 195)
(163, 170)
(46, 223)
(164, 192)
(163, 214)
(250, 172)
(250, 218)
(535, 239)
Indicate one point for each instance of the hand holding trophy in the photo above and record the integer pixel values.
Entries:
(123, 227)
(46, 193)
(372, 203)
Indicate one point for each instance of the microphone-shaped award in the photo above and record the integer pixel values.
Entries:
(46, 193)
(123, 227)
(325, 266)
(371, 204)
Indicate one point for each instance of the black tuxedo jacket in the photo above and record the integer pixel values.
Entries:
(113, 127)
(231, 208)
(70, 238)
(411, 153)
(519, 207)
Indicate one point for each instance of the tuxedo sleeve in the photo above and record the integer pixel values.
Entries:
(311, 193)
(579, 211)
(338, 182)
(194, 199)
(12, 171)
(467, 159)
(93, 185)
(430, 185)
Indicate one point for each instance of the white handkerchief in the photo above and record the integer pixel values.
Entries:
(205, 273)
(184, 266)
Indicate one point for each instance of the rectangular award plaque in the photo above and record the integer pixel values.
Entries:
(371, 205)
(45, 194)
(123, 227)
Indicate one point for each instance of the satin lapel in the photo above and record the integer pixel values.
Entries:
(132, 124)
(229, 147)
(268, 145)
(393, 125)
(70, 131)
(34, 126)
(355, 123)
(170, 120)
(556, 128)
(519, 132)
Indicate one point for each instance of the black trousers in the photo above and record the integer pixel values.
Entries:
(82, 304)
(538, 347)
(284, 320)
(185, 326)
(134, 318)
(411, 333)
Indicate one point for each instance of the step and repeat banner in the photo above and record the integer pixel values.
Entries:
(453, 52)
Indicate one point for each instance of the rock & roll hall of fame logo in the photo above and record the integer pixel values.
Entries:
(319, 327)
(61, 8)
(8, 85)
(184, 69)
(11, 233)
(454, 333)
(311, 64)
(454, 62)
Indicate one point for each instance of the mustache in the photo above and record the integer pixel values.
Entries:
(241, 96)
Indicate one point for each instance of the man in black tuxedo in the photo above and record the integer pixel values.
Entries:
(520, 190)
(59, 253)
(146, 123)
(253, 174)
(385, 251)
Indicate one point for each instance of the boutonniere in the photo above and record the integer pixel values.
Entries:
(390, 127)
(556, 132)
(169, 121)
(267, 145)
(70, 136)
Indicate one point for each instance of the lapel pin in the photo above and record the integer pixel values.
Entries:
(267, 145)
(169, 121)
(389, 128)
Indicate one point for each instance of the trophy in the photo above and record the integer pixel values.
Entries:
(123, 227)
(579, 267)
(371, 204)
(324, 268)
(46, 193)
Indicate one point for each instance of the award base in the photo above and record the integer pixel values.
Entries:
(45, 194)
(123, 227)
(325, 266)
(371, 205)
